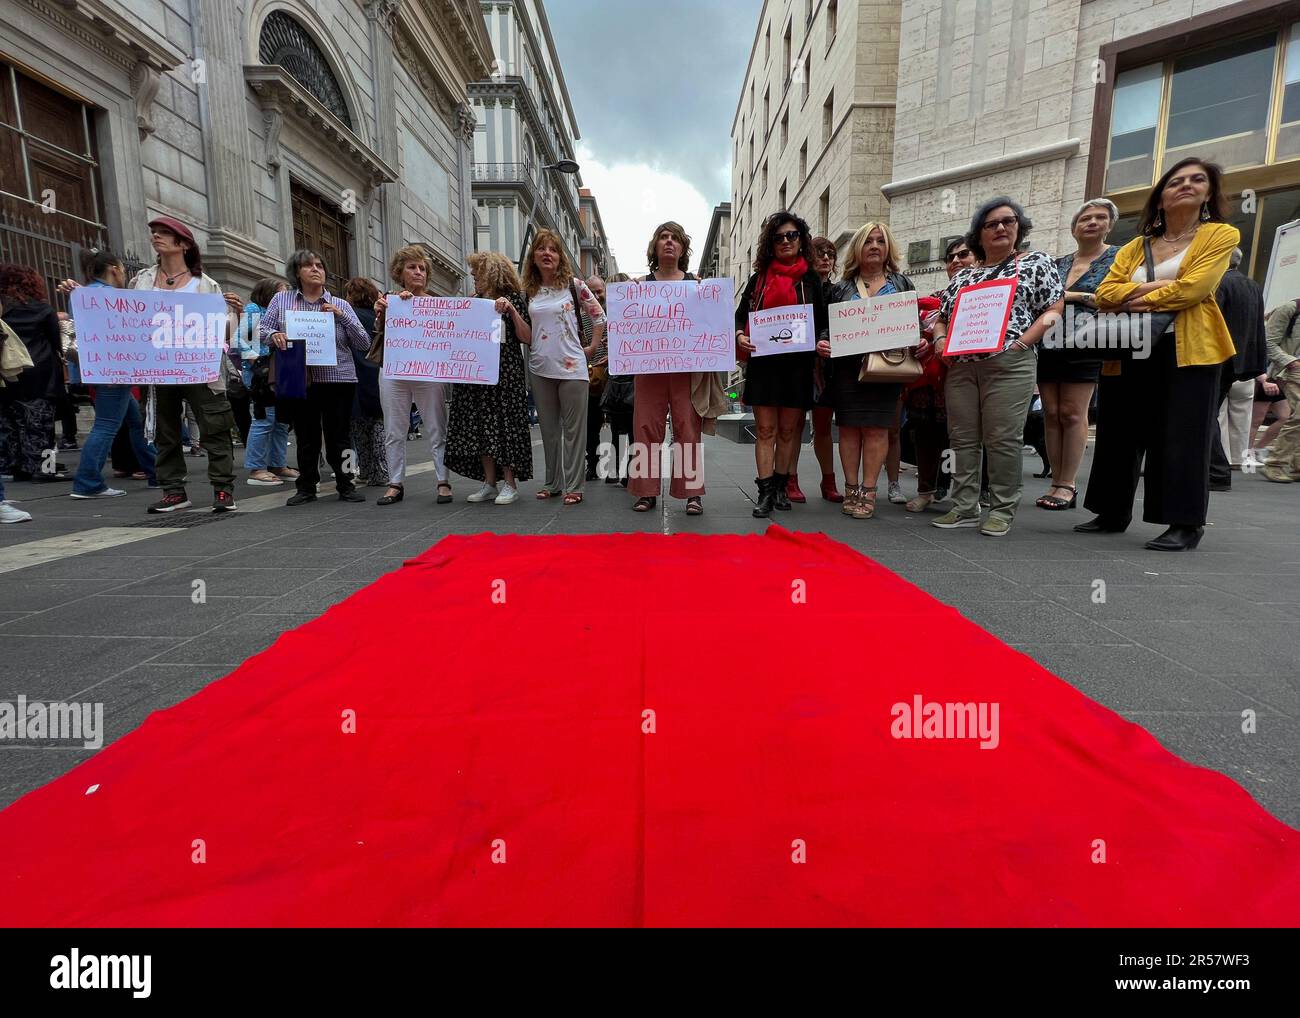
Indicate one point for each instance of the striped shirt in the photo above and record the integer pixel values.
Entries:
(349, 333)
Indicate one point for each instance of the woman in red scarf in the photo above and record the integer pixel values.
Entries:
(780, 386)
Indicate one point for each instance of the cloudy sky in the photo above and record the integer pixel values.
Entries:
(654, 85)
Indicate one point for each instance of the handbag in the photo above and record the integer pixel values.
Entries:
(14, 356)
(898, 365)
(375, 355)
(1109, 334)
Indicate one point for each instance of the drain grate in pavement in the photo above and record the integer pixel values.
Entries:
(183, 520)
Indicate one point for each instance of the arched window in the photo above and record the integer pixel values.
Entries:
(286, 43)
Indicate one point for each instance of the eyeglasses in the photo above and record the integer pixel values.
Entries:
(790, 235)
(1006, 224)
(956, 255)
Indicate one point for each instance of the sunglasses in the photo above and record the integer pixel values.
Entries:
(790, 235)
(1007, 223)
(957, 255)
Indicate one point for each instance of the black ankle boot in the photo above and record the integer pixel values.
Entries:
(782, 496)
(1102, 525)
(1177, 539)
(766, 497)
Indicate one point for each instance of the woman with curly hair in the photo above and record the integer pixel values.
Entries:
(779, 387)
(487, 431)
(27, 404)
(557, 360)
(410, 268)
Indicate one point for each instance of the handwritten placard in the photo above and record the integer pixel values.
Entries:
(148, 337)
(782, 330)
(657, 327)
(979, 317)
(887, 322)
(445, 339)
(316, 329)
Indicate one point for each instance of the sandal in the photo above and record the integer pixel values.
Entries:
(444, 499)
(693, 506)
(865, 507)
(573, 498)
(850, 500)
(395, 493)
(544, 494)
(644, 504)
(920, 503)
(1055, 503)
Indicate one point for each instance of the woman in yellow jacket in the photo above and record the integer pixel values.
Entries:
(1164, 404)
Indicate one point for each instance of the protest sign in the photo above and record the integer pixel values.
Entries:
(443, 339)
(148, 337)
(657, 326)
(887, 322)
(979, 317)
(316, 329)
(782, 330)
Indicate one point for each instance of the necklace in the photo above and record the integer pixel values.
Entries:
(1171, 241)
(171, 280)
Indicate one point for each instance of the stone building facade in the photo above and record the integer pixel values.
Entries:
(1055, 101)
(264, 124)
(526, 126)
(813, 131)
(715, 255)
(596, 257)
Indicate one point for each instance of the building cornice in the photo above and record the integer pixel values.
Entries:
(984, 167)
(279, 94)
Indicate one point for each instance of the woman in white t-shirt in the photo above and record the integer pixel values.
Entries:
(557, 360)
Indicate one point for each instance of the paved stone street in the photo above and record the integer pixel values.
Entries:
(95, 597)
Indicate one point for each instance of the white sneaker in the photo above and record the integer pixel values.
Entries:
(106, 493)
(507, 496)
(485, 494)
(8, 514)
(896, 493)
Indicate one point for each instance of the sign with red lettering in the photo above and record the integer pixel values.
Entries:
(657, 327)
(443, 339)
(979, 317)
(148, 337)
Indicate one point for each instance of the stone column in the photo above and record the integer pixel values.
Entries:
(233, 255)
(466, 123)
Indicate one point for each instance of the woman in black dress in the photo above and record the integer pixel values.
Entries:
(864, 411)
(780, 386)
(487, 425)
(1068, 376)
(27, 405)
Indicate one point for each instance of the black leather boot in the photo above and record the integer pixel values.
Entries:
(782, 496)
(766, 497)
(1177, 539)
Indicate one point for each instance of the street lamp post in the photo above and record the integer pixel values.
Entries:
(563, 166)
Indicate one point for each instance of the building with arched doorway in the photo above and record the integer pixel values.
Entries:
(266, 125)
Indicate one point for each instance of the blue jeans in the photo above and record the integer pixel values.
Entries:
(268, 443)
(113, 405)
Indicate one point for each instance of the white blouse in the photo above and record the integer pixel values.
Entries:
(556, 349)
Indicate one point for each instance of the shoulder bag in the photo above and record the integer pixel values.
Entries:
(1108, 334)
(898, 365)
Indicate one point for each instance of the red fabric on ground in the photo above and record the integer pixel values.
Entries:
(522, 721)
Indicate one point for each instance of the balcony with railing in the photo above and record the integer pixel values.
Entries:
(506, 173)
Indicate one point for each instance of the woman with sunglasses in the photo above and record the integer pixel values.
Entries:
(988, 393)
(779, 386)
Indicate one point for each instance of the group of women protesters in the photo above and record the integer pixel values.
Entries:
(1157, 399)
(1158, 395)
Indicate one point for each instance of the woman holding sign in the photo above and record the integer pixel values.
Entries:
(318, 397)
(779, 386)
(557, 360)
(993, 361)
(1164, 405)
(410, 268)
(487, 435)
(658, 395)
(864, 411)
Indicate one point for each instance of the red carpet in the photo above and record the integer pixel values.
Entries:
(521, 724)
